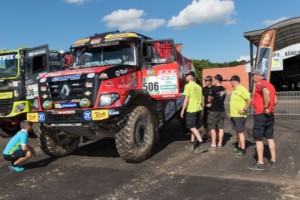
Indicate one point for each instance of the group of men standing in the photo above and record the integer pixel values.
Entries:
(211, 99)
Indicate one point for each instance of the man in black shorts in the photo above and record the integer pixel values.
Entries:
(264, 101)
(192, 105)
(206, 110)
(217, 114)
(240, 101)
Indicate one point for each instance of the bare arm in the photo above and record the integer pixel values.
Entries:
(185, 103)
(248, 104)
(28, 148)
(266, 96)
(275, 102)
(209, 99)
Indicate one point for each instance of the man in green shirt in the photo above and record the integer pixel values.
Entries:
(192, 106)
(240, 101)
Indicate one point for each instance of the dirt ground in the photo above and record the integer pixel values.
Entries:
(95, 171)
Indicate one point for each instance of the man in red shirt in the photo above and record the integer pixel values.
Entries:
(264, 101)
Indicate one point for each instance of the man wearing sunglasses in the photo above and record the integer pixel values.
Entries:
(206, 110)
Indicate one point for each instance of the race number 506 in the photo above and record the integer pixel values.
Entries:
(151, 86)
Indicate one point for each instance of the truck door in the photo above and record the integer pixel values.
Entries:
(37, 64)
(160, 71)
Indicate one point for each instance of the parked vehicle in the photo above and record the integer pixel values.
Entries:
(19, 70)
(121, 85)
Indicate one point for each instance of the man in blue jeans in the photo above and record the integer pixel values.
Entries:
(17, 150)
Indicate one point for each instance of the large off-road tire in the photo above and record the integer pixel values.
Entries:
(53, 142)
(9, 129)
(135, 141)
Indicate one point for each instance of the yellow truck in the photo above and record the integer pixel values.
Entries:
(19, 71)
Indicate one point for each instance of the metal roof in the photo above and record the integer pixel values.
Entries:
(287, 33)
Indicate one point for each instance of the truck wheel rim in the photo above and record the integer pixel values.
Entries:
(140, 133)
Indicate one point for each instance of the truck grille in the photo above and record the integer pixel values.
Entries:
(65, 90)
(70, 91)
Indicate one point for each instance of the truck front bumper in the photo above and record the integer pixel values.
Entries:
(72, 117)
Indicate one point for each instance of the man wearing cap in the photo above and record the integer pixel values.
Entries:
(264, 101)
(206, 110)
(240, 101)
(217, 113)
(192, 104)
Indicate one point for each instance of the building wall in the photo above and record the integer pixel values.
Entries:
(227, 73)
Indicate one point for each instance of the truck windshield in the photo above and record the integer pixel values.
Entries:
(122, 53)
(8, 65)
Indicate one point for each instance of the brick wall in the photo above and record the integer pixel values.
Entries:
(227, 72)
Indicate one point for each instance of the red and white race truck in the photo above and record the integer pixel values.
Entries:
(121, 85)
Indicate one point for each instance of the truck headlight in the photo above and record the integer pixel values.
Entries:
(20, 107)
(108, 99)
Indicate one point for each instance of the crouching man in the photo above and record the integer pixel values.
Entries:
(17, 150)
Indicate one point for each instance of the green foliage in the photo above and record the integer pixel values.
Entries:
(206, 64)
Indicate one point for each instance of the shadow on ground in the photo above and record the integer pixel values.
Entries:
(171, 132)
(39, 163)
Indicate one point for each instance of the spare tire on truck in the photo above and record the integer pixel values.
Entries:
(54, 142)
(135, 141)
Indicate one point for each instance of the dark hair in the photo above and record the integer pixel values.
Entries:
(25, 124)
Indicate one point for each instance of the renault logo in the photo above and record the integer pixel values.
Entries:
(65, 91)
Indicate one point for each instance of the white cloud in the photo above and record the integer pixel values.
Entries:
(269, 22)
(131, 19)
(246, 58)
(204, 11)
(78, 2)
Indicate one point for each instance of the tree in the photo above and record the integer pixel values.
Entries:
(206, 64)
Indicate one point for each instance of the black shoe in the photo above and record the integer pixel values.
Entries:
(257, 166)
(272, 163)
(203, 147)
(191, 145)
(240, 154)
(235, 150)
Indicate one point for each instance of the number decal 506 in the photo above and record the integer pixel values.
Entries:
(151, 86)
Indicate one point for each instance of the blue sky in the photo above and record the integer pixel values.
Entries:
(208, 29)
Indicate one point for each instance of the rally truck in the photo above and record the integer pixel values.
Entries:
(19, 70)
(122, 85)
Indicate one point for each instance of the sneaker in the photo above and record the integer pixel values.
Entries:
(203, 147)
(16, 168)
(272, 163)
(212, 147)
(256, 166)
(235, 150)
(191, 146)
(240, 154)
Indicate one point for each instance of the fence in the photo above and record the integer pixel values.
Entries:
(288, 104)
